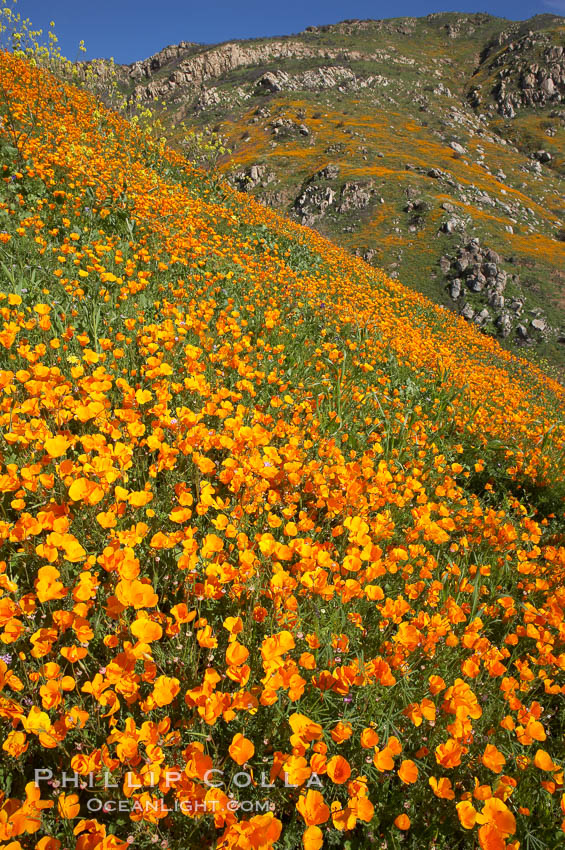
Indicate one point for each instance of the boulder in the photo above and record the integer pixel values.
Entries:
(444, 264)
(491, 256)
(504, 324)
(483, 317)
(476, 283)
(516, 305)
(268, 82)
(451, 225)
(543, 156)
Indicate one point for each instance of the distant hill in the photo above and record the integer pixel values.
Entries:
(405, 141)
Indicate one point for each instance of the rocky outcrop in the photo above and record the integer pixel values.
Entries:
(317, 197)
(477, 284)
(254, 177)
(189, 74)
(317, 79)
(284, 127)
(529, 72)
(146, 68)
(313, 202)
(473, 270)
(355, 196)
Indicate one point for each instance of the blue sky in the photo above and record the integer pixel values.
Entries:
(134, 29)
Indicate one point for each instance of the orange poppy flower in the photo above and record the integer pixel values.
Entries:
(165, 690)
(408, 772)
(313, 838)
(543, 761)
(68, 806)
(449, 754)
(402, 822)
(146, 630)
(15, 744)
(338, 770)
(369, 738)
(497, 813)
(493, 759)
(313, 807)
(442, 787)
(467, 814)
(56, 446)
(241, 749)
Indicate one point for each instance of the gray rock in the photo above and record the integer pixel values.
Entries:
(467, 312)
(451, 225)
(455, 146)
(548, 87)
(268, 82)
(476, 283)
(504, 324)
(455, 288)
(521, 332)
(539, 324)
(516, 305)
(491, 256)
(444, 264)
(543, 156)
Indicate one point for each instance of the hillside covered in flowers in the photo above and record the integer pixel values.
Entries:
(282, 542)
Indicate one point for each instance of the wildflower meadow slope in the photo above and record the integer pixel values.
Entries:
(282, 543)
